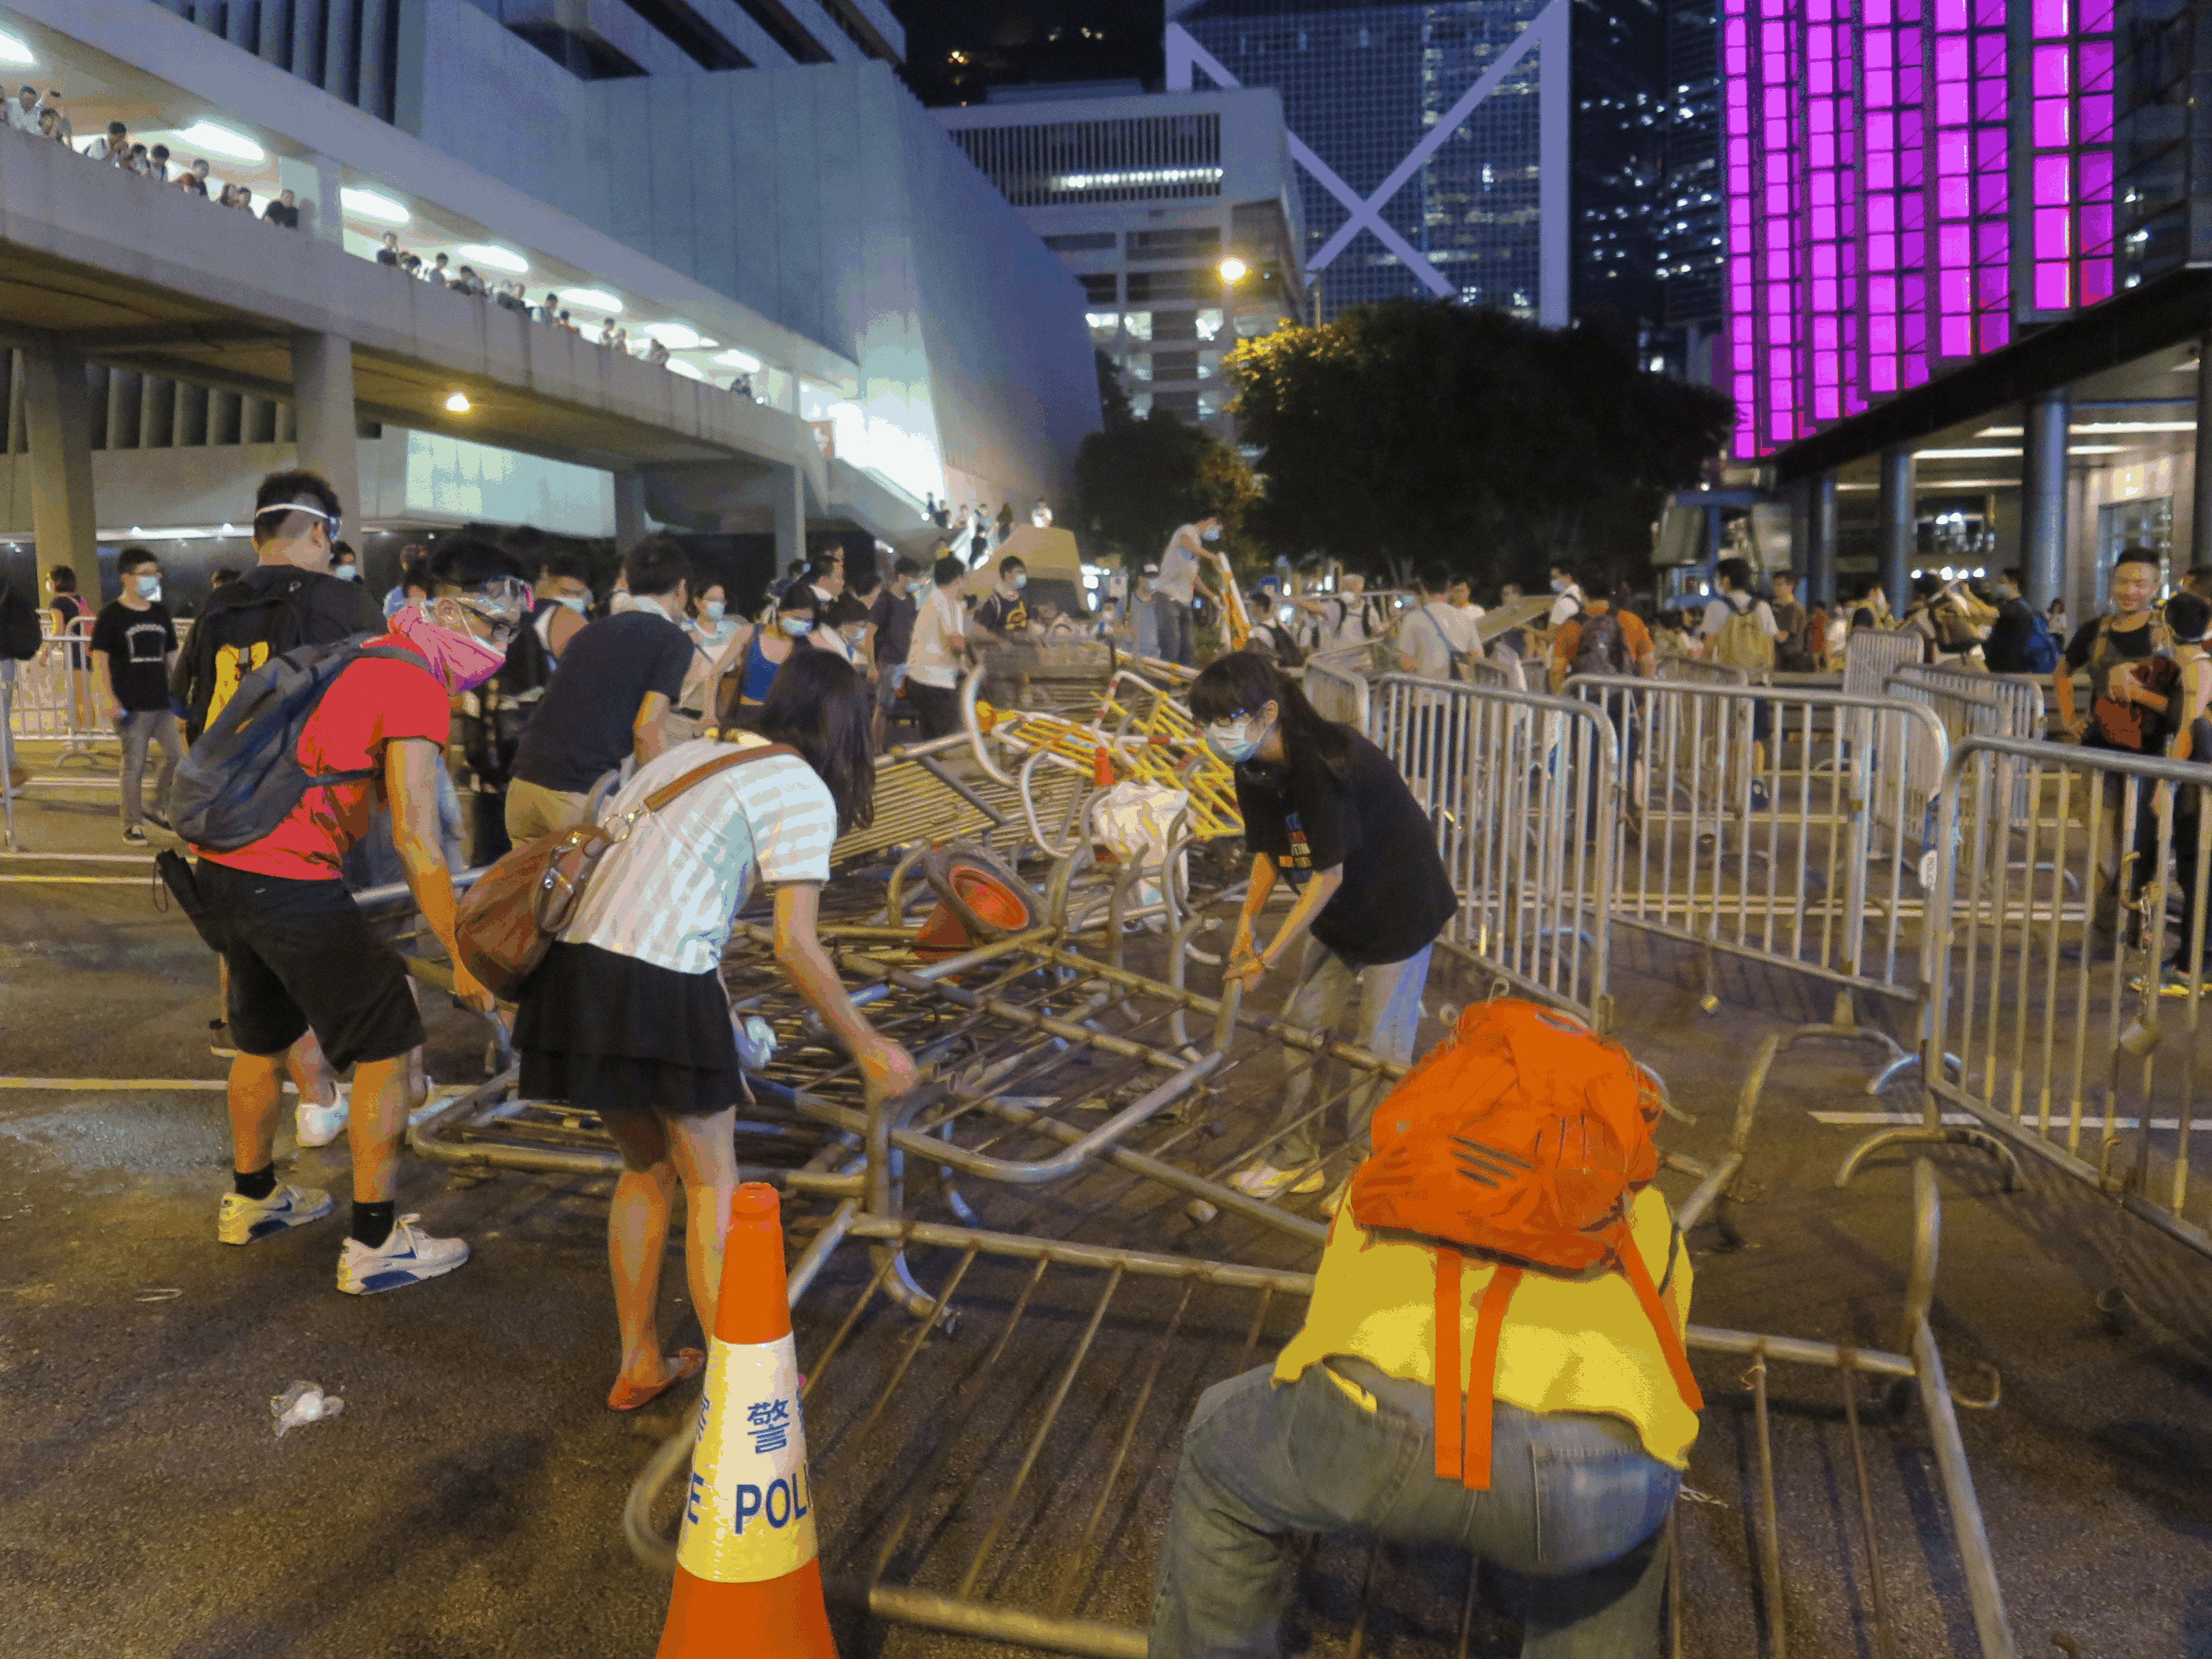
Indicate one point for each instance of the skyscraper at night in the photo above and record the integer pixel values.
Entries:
(1909, 183)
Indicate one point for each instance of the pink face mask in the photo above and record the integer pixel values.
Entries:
(458, 658)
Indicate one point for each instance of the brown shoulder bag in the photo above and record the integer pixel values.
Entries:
(507, 921)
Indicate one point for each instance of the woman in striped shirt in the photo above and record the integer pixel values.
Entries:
(627, 1016)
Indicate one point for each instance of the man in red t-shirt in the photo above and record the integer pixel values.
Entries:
(300, 954)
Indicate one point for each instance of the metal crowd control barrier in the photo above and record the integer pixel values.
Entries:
(1696, 671)
(1337, 690)
(1521, 790)
(933, 792)
(1871, 655)
(1780, 825)
(55, 699)
(1974, 703)
(2047, 1023)
(968, 1485)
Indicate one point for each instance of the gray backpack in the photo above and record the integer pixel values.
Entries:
(243, 777)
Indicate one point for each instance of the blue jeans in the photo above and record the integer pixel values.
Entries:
(1173, 617)
(1576, 1512)
(1389, 1021)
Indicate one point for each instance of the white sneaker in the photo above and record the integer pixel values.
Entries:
(406, 1258)
(241, 1220)
(1266, 1181)
(321, 1125)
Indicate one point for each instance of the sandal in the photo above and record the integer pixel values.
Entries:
(627, 1396)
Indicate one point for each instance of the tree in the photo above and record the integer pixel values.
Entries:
(1113, 402)
(1417, 429)
(1135, 481)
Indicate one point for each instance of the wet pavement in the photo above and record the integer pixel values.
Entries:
(467, 1502)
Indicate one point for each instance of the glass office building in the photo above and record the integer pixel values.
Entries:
(1909, 183)
(1420, 131)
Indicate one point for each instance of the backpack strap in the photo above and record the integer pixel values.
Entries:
(1670, 1343)
(1463, 1432)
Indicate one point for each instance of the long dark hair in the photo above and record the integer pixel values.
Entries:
(1243, 681)
(815, 705)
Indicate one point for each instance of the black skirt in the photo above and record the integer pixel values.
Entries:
(607, 1032)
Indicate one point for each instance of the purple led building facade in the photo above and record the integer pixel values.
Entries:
(1907, 180)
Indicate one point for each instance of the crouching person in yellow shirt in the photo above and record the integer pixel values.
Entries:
(1509, 1193)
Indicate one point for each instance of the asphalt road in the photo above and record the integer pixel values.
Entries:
(466, 1503)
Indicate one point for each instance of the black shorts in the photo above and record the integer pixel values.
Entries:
(302, 957)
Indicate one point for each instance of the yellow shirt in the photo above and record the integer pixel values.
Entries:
(1568, 1345)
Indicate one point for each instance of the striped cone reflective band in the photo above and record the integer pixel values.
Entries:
(747, 1578)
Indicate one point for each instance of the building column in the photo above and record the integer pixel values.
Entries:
(2042, 495)
(790, 516)
(322, 393)
(1899, 526)
(314, 181)
(629, 511)
(2200, 525)
(57, 412)
(1820, 539)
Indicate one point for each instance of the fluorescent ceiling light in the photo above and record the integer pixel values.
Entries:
(13, 51)
(1960, 454)
(592, 299)
(224, 141)
(677, 336)
(2097, 449)
(457, 403)
(740, 359)
(499, 259)
(2096, 426)
(678, 366)
(368, 205)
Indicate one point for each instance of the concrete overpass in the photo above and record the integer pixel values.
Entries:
(101, 266)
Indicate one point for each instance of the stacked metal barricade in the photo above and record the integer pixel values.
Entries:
(1016, 1279)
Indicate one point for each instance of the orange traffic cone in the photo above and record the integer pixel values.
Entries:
(746, 1579)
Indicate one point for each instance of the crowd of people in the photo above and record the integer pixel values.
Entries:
(116, 148)
(733, 746)
(731, 753)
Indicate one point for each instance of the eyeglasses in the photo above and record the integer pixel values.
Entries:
(335, 521)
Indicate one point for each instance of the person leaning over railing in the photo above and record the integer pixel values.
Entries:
(627, 1016)
(1325, 811)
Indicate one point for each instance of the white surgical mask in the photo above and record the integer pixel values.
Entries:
(713, 608)
(1020, 580)
(1233, 741)
(573, 603)
(346, 573)
(1209, 535)
(798, 626)
(150, 587)
(1558, 584)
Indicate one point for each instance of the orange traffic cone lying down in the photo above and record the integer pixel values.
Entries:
(747, 1581)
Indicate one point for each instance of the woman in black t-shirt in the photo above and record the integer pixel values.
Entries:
(1325, 811)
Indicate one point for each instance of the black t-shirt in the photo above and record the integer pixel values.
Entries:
(2125, 642)
(1002, 615)
(1395, 897)
(894, 618)
(277, 214)
(268, 609)
(582, 730)
(138, 644)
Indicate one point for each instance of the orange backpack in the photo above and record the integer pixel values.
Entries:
(1524, 1135)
